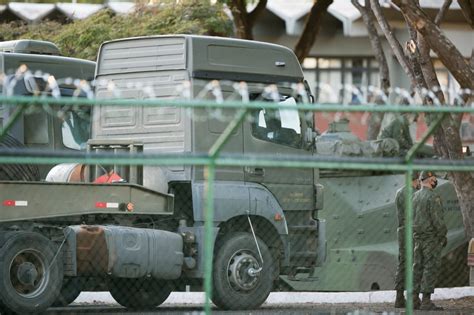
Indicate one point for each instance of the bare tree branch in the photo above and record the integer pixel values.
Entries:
(467, 7)
(411, 51)
(394, 43)
(375, 42)
(439, 17)
(311, 29)
(375, 120)
(441, 45)
(427, 67)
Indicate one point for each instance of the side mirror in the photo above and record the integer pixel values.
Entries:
(308, 91)
(309, 138)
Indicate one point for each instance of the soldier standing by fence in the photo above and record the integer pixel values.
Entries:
(400, 202)
(429, 234)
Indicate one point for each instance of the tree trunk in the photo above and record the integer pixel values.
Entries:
(447, 140)
(375, 119)
(311, 29)
(464, 186)
(394, 43)
(419, 68)
(243, 20)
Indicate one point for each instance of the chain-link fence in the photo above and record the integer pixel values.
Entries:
(234, 189)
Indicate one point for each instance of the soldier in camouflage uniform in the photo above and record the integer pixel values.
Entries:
(429, 234)
(399, 130)
(400, 205)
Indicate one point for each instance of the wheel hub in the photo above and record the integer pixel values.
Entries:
(240, 271)
(27, 273)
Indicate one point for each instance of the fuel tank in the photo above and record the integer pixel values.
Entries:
(124, 252)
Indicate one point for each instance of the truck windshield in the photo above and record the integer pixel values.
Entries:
(281, 126)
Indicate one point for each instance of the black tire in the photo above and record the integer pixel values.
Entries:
(70, 290)
(139, 294)
(234, 290)
(17, 171)
(30, 280)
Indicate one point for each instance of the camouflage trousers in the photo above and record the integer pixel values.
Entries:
(400, 275)
(427, 262)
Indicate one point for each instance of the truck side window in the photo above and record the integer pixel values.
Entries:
(36, 128)
(75, 128)
(281, 126)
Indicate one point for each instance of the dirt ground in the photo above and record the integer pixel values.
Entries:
(462, 306)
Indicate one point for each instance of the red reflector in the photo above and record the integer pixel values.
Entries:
(101, 204)
(9, 203)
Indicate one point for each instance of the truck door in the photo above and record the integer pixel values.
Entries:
(279, 133)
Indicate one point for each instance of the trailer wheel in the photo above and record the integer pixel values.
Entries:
(70, 290)
(30, 274)
(139, 294)
(235, 286)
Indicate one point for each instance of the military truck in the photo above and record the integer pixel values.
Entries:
(25, 68)
(347, 251)
(145, 238)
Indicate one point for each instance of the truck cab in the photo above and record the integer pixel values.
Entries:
(281, 203)
(30, 67)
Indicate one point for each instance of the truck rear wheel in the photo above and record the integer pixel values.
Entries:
(30, 273)
(139, 293)
(236, 284)
(17, 171)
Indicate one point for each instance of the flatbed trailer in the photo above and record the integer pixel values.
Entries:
(23, 201)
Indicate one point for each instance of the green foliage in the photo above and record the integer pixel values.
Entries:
(82, 38)
(17, 30)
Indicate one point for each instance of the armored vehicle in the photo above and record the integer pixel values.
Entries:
(145, 238)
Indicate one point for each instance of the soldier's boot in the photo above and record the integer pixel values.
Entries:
(400, 300)
(427, 304)
(416, 301)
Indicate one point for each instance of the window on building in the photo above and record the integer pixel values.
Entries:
(447, 82)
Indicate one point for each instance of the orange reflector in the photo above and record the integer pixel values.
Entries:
(278, 217)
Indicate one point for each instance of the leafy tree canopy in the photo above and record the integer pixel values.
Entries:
(82, 39)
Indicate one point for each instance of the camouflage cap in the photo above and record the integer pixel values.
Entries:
(415, 175)
(426, 174)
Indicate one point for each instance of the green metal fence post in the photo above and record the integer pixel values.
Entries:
(209, 177)
(409, 239)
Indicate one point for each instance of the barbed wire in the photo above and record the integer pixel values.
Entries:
(43, 84)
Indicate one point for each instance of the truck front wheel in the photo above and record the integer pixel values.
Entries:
(139, 294)
(240, 279)
(30, 273)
